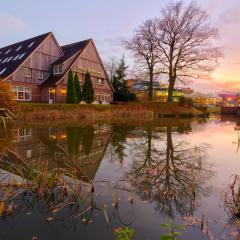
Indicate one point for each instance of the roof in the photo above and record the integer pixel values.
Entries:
(13, 56)
(69, 51)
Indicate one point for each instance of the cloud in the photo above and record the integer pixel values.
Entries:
(10, 24)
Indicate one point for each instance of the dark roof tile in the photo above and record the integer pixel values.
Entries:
(12, 56)
(71, 49)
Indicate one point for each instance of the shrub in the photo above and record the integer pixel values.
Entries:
(71, 91)
(87, 89)
(6, 96)
(183, 101)
(77, 88)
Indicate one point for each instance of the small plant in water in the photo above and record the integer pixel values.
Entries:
(125, 233)
(173, 231)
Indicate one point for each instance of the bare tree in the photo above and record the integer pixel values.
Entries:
(144, 47)
(185, 43)
(111, 67)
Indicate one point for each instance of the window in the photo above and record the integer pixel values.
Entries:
(30, 45)
(29, 153)
(24, 134)
(40, 74)
(21, 56)
(22, 93)
(3, 70)
(99, 81)
(16, 57)
(19, 48)
(8, 51)
(57, 69)
(28, 72)
(4, 60)
(9, 59)
(100, 142)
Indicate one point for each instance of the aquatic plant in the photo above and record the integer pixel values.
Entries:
(125, 233)
(231, 199)
(174, 231)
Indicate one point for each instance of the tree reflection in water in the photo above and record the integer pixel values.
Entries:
(168, 172)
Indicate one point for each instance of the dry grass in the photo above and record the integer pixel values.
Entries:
(108, 113)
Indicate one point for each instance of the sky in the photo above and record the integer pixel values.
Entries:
(109, 22)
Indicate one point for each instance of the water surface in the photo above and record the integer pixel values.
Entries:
(159, 173)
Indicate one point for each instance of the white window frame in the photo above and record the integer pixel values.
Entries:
(24, 91)
(28, 72)
(40, 75)
(58, 69)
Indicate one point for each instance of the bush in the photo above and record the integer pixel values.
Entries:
(71, 91)
(77, 88)
(87, 89)
(185, 101)
(6, 96)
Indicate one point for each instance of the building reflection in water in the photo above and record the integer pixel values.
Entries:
(79, 148)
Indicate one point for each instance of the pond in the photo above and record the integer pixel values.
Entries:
(98, 181)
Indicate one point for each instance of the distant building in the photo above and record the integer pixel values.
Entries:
(160, 90)
(229, 99)
(37, 69)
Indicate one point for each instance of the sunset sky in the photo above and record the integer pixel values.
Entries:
(108, 22)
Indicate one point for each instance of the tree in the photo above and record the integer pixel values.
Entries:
(71, 91)
(144, 47)
(122, 92)
(87, 89)
(111, 68)
(77, 88)
(184, 42)
(6, 95)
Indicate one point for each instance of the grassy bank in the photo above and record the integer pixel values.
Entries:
(137, 112)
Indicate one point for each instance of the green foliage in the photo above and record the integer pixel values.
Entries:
(185, 101)
(122, 92)
(77, 88)
(87, 138)
(71, 91)
(125, 233)
(173, 231)
(87, 89)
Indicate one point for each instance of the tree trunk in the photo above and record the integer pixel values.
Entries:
(150, 93)
(171, 89)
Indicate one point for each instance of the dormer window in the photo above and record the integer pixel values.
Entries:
(58, 69)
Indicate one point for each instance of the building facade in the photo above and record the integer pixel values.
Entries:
(37, 69)
(160, 90)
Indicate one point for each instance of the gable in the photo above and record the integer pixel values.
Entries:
(45, 55)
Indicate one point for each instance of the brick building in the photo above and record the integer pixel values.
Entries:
(37, 69)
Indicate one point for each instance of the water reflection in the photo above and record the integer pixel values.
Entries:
(157, 165)
(168, 172)
(79, 148)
